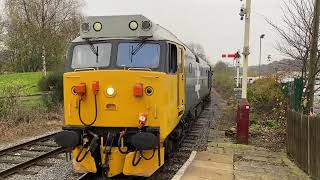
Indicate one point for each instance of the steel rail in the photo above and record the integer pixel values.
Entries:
(29, 163)
(20, 146)
(21, 166)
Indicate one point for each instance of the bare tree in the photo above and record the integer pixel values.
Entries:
(39, 31)
(198, 50)
(296, 32)
(1, 30)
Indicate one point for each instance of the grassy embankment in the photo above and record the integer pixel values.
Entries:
(22, 84)
(24, 116)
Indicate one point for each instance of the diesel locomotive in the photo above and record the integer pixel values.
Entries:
(130, 90)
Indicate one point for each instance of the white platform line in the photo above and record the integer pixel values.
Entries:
(182, 170)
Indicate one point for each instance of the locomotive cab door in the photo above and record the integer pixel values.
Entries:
(181, 81)
(176, 66)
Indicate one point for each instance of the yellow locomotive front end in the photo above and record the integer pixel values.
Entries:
(123, 96)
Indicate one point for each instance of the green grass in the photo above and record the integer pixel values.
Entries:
(28, 81)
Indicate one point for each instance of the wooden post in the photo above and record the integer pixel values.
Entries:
(313, 57)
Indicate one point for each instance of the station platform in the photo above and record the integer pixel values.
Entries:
(225, 160)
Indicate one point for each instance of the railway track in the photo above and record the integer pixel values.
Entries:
(17, 159)
(194, 140)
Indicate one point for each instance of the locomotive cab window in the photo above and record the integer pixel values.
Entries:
(91, 55)
(138, 55)
(173, 58)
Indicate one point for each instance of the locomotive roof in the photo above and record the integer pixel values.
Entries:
(119, 29)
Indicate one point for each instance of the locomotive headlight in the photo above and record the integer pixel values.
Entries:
(146, 25)
(133, 25)
(97, 26)
(85, 27)
(110, 91)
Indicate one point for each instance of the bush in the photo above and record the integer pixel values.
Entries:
(53, 82)
(223, 79)
(265, 95)
(268, 104)
(11, 108)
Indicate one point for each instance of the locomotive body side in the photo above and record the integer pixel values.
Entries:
(198, 83)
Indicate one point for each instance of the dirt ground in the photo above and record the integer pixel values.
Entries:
(272, 139)
(11, 133)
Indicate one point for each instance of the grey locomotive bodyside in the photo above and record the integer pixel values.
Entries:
(198, 80)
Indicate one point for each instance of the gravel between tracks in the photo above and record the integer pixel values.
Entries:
(61, 170)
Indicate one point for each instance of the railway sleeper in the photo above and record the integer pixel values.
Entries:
(47, 144)
(44, 164)
(27, 172)
(38, 149)
(21, 155)
(10, 161)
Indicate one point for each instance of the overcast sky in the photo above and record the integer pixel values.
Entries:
(213, 23)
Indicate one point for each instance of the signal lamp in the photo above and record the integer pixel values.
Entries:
(97, 26)
(110, 91)
(146, 25)
(85, 27)
(133, 25)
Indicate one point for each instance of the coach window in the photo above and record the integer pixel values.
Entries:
(172, 58)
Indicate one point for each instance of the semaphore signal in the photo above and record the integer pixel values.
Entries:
(234, 56)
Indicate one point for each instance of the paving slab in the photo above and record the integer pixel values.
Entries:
(207, 165)
(224, 160)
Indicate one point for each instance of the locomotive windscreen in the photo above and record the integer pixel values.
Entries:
(144, 55)
(91, 55)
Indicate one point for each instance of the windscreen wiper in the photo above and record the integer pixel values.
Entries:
(94, 50)
(139, 46)
(134, 51)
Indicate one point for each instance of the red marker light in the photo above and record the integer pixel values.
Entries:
(95, 87)
(80, 89)
(138, 90)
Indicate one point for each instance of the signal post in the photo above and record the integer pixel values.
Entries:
(244, 107)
